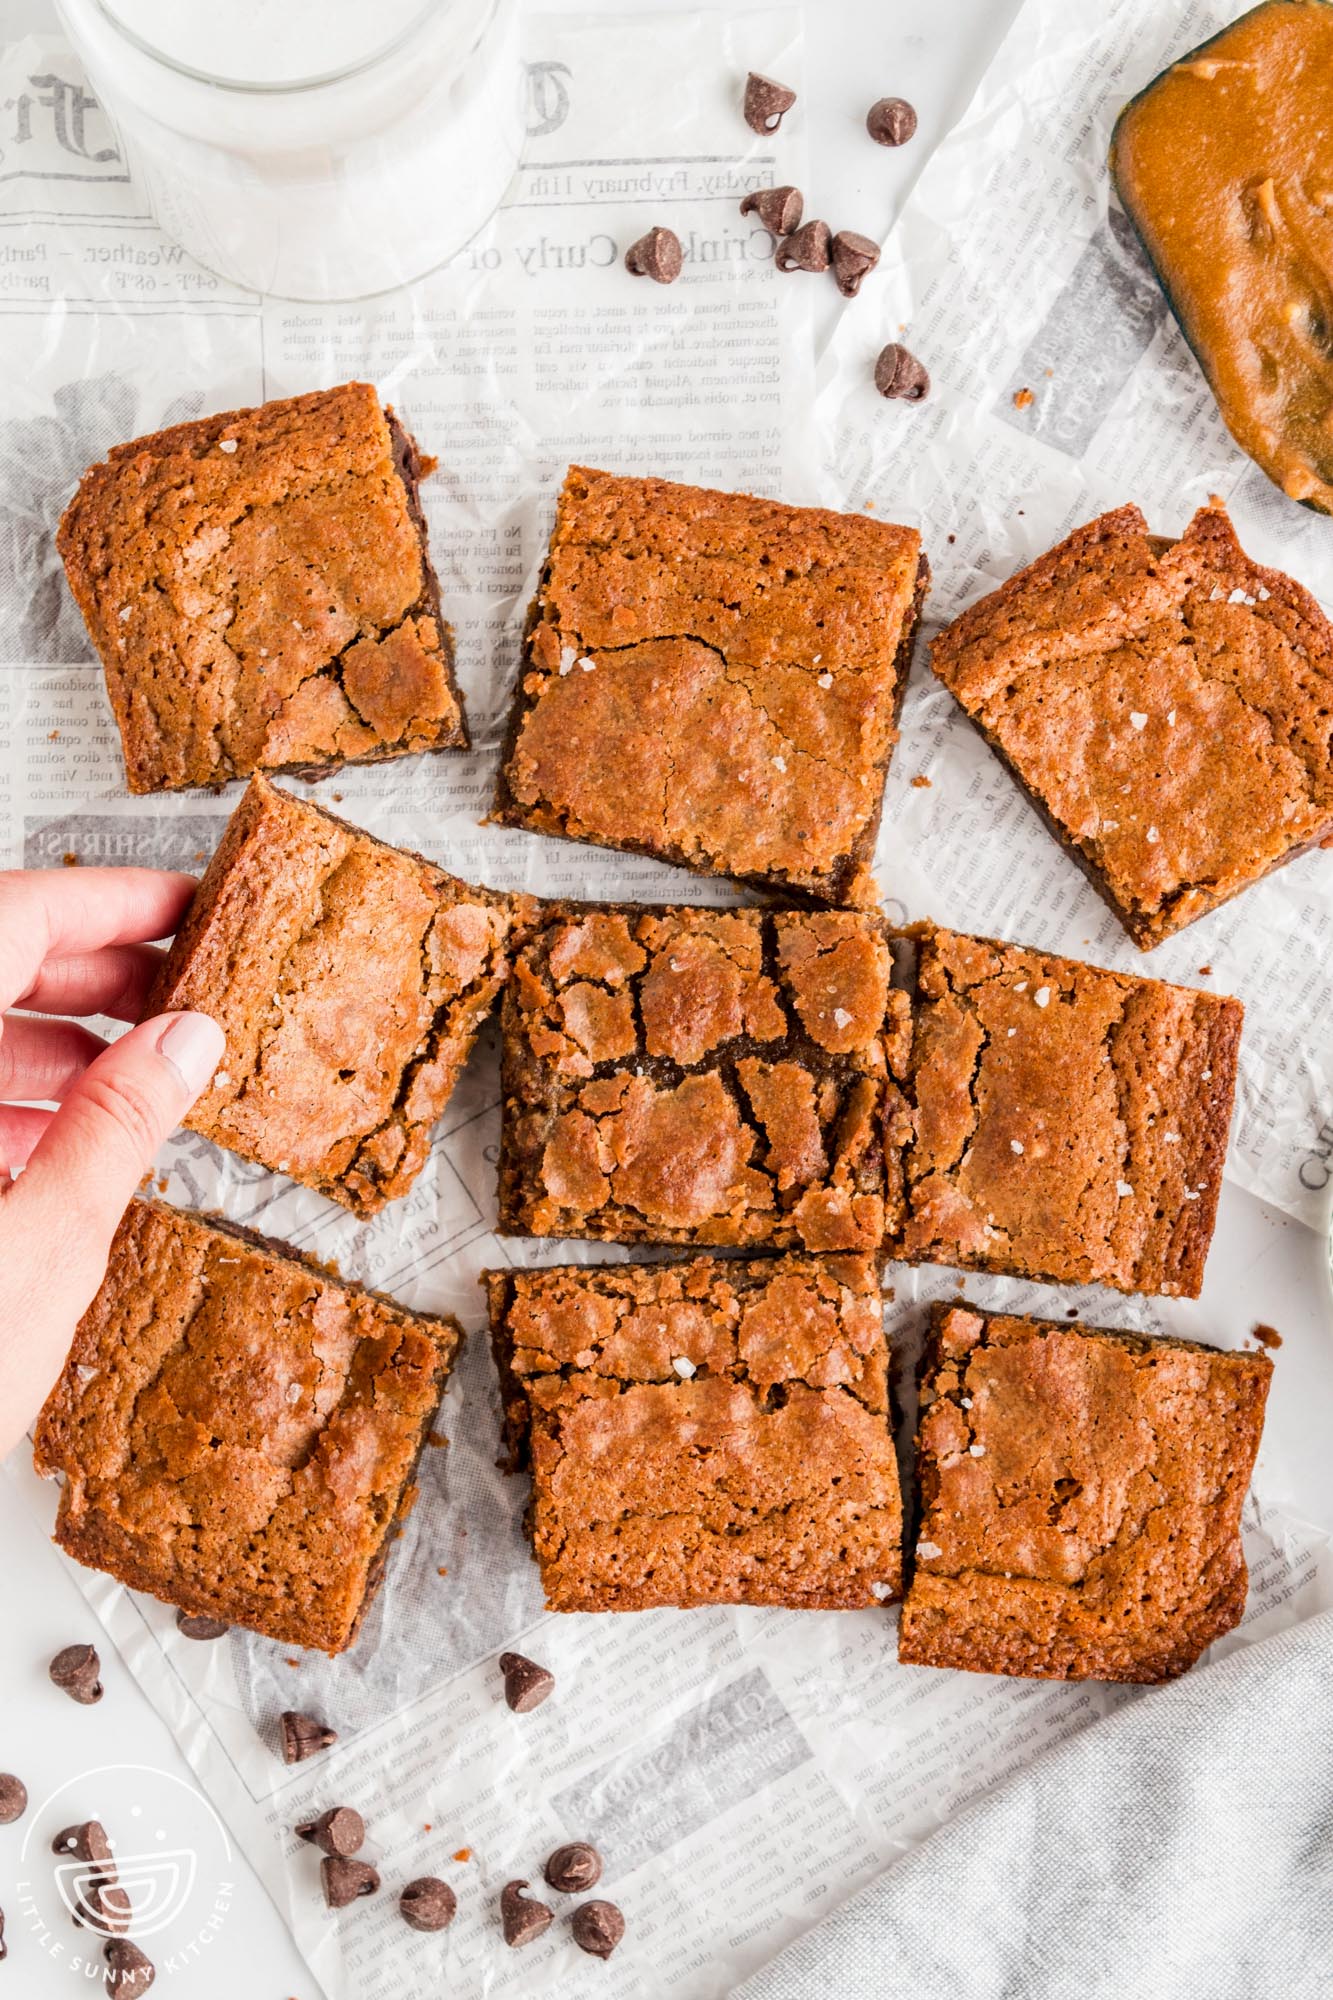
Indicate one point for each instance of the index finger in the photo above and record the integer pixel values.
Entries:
(56, 912)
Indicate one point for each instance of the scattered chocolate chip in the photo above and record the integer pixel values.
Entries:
(598, 1928)
(303, 1737)
(85, 1842)
(852, 255)
(340, 1830)
(526, 1684)
(522, 1918)
(574, 1869)
(75, 1670)
(891, 121)
(766, 102)
(191, 1625)
(345, 1880)
(779, 209)
(103, 1906)
(128, 1972)
(657, 255)
(900, 374)
(428, 1904)
(806, 249)
(13, 1798)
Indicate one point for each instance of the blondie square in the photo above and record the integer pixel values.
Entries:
(1166, 706)
(715, 680)
(259, 591)
(1081, 1496)
(237, 1430)
(1065, 1123)
(350, 979)
(697, 1076)
(712, 1432)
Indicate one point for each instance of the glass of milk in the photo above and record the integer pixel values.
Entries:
(318, 149)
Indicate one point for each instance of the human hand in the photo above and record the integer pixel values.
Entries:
(73, 941)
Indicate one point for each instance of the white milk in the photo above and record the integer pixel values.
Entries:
(313, 148)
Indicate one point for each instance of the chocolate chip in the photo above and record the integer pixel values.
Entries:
(900, 374)
(574, 1869)
(192, 1625)
(345, 1880)
(75, 1670)
(128, 1972)
(598, 1928)
(85, 1842)
(428, 1904)
(891, 121)
(522, 1918)
(806, 249)
(526, 1684)
(766, 102)
(303, 1737)
(852, 256)
(13, 1798)
(779, 209)
(657, 255)
(340, 1830)
(103, 1906)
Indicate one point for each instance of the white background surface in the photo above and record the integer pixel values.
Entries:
(856, 50)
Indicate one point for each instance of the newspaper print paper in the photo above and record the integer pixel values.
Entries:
(744, 1771)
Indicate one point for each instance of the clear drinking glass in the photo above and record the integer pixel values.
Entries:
(318, 149)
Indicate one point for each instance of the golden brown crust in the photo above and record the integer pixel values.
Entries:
(237, 1430)
(350, 979)
(697, 1076)
(258, 587)
(712, 1432)
(1169, 710)
(714, 679)
(1064, 1122)
(1081, 1494)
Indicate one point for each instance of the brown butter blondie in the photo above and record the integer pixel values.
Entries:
(237, 1430)
(350, 979)
(1167, 707)
(1081, 1494)
(259, 591)
(710, 1432)
(1062, 1122)
(697, 1076)
(715, 680)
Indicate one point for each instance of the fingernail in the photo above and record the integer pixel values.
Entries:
(193, 1045)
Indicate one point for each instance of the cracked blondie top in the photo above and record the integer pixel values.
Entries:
(350, 979)
(259, 591)
(1167, 707)
(715, 680)
(237, 1430)
(711, 1432)
(1081, 1496)
(1063, 1122)
(697, 1076)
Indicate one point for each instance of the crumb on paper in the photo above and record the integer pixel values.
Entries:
(1022, 397)
(1205, 972)
(53, 735)
(463, 1854)
(69, 860)
(953, 538)
(441, 1571)
(163, 1184)
(436, 1438)
(921, 782)
(1266, 1335)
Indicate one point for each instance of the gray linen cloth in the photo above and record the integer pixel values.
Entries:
(1181, 1849)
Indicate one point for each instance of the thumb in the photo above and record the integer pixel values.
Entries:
(100, 1143)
